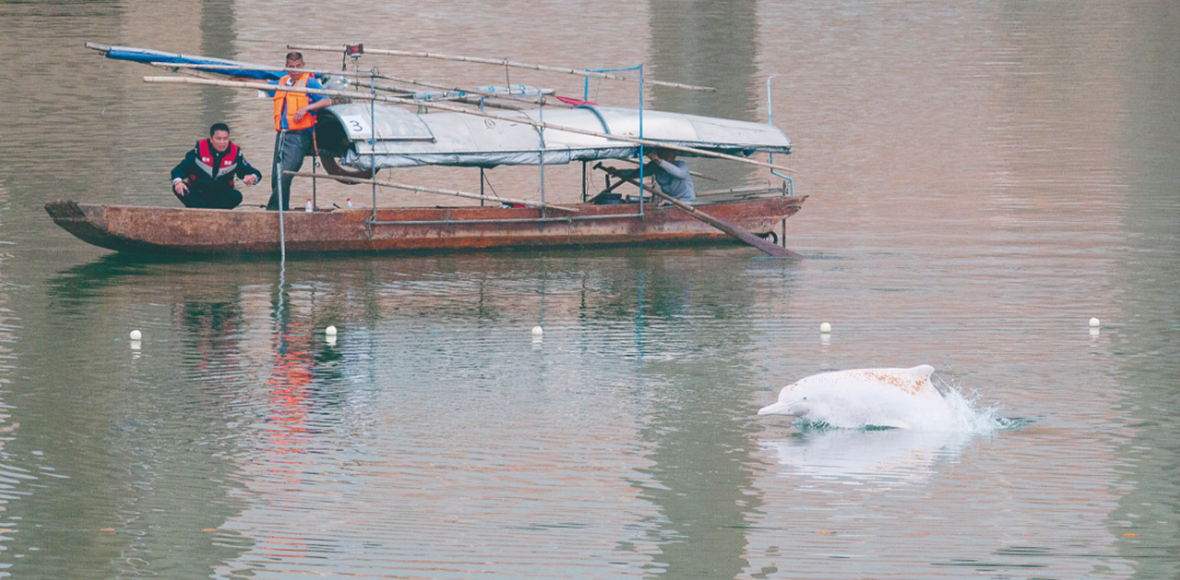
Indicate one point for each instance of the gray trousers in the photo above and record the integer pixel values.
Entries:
(290, 149)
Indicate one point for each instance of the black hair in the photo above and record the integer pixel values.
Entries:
(294, 55)
(218, 127)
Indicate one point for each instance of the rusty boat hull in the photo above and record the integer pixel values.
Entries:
(179, 231)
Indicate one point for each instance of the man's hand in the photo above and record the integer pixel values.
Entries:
(180, 188)
(654, 157)
(300, 113)
(250, 180)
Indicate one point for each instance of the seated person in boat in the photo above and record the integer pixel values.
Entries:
(205, 178)
(671, 175)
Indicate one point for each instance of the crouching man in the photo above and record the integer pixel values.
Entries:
(205, 179)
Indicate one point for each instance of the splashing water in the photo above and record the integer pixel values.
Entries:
(969, 417)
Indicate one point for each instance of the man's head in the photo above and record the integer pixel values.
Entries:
(294, 60)
(219, 136)
(668, 155)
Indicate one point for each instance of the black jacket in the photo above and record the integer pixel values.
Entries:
(208, 174)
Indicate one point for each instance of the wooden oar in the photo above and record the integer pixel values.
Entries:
(417, 188)
(505, 63)
(256, 85)
(727, 227)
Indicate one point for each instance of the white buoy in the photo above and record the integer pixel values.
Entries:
(1094, 322)
(825, 327)
(538, 331)
(330, 331)
(136, 335)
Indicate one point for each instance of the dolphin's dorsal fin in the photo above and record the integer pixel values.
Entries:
(920, 375)
(920, 372)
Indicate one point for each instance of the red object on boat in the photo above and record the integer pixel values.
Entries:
(573, 101)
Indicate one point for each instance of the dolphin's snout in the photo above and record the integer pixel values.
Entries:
(779, 408)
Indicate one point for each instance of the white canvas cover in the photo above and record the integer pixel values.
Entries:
(388, 136)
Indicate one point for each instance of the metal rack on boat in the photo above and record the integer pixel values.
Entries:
(411, 129)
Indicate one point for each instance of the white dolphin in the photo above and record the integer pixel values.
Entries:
(902, 398)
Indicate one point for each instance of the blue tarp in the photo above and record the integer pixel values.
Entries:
(148, 56)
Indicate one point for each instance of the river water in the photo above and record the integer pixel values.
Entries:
(983, 178)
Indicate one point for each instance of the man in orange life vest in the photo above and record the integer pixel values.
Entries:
(294, 115)
(205, 178)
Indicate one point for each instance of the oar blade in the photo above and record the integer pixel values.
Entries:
(734, 230)
(746, 236)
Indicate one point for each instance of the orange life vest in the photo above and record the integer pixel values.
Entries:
(293, 102)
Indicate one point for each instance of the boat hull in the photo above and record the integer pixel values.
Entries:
(160, 230)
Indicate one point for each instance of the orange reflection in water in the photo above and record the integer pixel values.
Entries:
(288, 392)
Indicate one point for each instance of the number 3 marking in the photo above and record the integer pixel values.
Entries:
(355, 125)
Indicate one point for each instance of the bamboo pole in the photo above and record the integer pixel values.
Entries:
(188, 70)
(256, 85)
(505, 63)
(353, 74)
(416, 188)
(263, 67)
(201, 67)
(479, 92)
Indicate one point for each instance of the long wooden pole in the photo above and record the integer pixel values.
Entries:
(223, 69)
(480, 92)
(417, 188)
(189, 70)
(492, 61)
(539, 124)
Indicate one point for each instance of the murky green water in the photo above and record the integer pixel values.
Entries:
(984, 179)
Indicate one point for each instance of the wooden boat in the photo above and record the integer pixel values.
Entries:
(366, 132)
(161, 230)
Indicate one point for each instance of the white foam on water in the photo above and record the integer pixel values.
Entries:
(969, 416)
